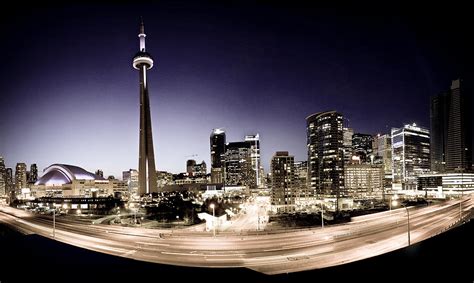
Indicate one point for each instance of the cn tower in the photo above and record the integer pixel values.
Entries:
(143, 62)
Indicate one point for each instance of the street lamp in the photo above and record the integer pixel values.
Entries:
(213, 218)
(395, 203)
(258, 218)
(408, 222)
(392, 203)
(54, 222)
(322, 215)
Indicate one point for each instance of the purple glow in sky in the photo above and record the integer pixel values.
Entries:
(69, 93)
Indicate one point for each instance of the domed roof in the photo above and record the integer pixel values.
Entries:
(60, 174)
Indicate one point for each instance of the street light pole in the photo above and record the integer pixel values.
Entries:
(213, 219)
(258, 218)
(408, 223)
(54, 223)
(322, 216)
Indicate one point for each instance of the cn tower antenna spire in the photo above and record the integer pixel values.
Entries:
(142, 35)
(142, 26)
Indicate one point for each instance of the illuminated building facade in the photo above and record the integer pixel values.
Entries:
(446, 184)
(217, 144)
(33, 174)
(364, 181)
(362, 146)
(254, 141)
(20, 176)
(9, 184)
(347, 144)
(164, 178)
(382, 152)
(196, 169)
(131, 178)
(410, 156)
(325, 154)
(238, 165)
(62, 180)
(301, 180)
(3, 178)
(283, 181)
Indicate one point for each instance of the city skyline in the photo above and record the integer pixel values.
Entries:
(223, 66)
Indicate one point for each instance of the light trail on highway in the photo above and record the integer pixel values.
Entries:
(269, 252)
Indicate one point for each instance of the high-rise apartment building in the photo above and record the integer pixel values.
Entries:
(325, 154)
(217, 142)
(283, 181)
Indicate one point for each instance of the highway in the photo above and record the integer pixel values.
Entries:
(267, 252)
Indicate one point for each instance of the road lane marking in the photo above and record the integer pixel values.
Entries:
(153, 244)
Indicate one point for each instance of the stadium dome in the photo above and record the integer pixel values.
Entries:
(60, 174)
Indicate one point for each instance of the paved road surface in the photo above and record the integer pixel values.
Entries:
(269, 253)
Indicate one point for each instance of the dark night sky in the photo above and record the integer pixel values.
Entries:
(70, 95)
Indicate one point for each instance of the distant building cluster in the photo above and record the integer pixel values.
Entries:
(409, 160)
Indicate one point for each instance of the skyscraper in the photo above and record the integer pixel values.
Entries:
(20, 176)
(283, 181)
(255, 157)
(146, 161)
(325, 154)
(362, 146)
(33, 173)
(347, 136)
(301, 180)
(410, 155)
(451, 131)
(382, 150)
(9, 180)
(238, 165)
(217, 142)
(439, 131)
(3, 178)
(459, 141)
